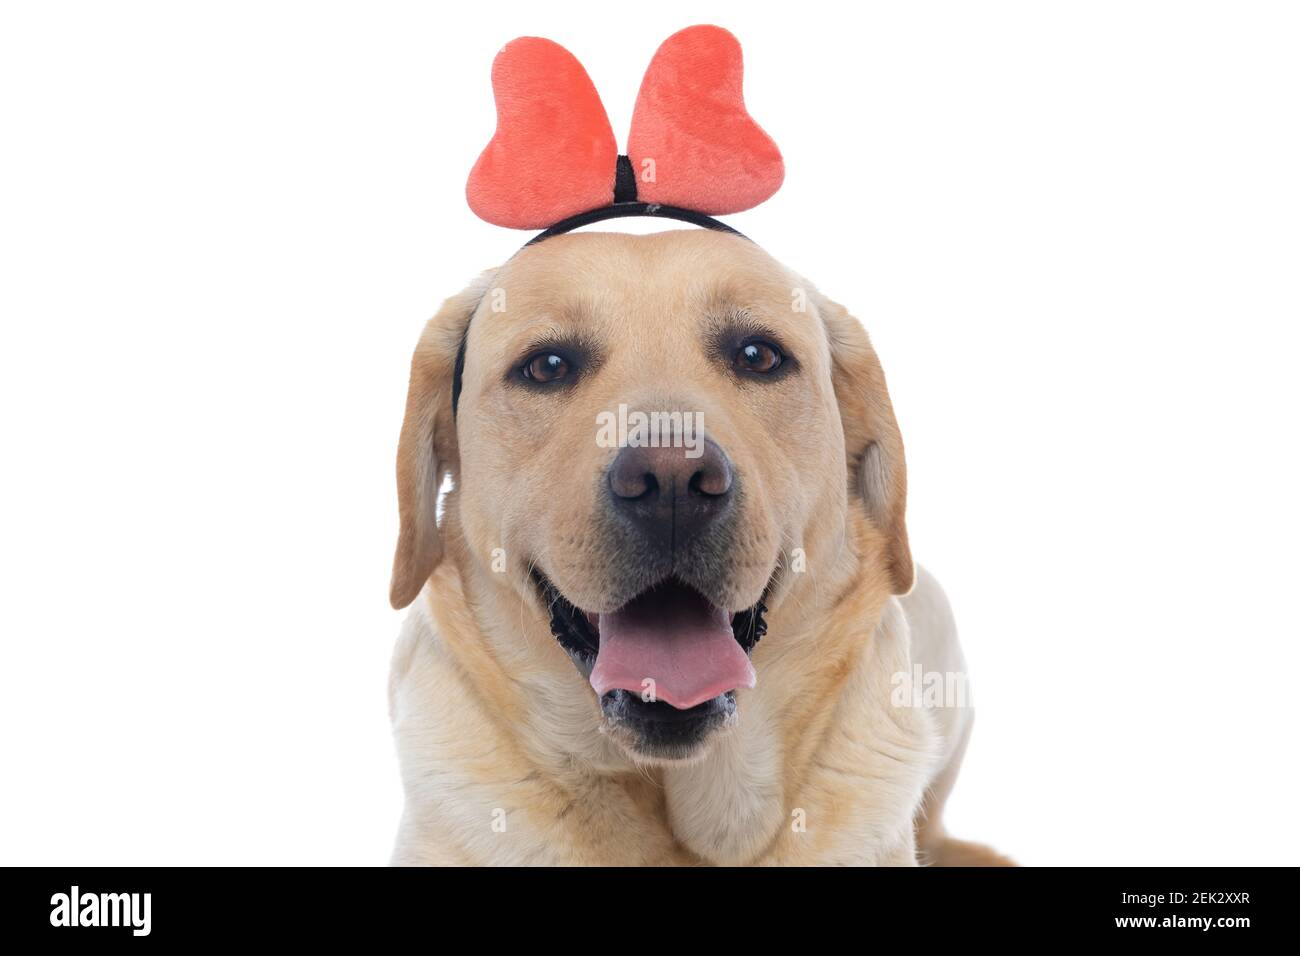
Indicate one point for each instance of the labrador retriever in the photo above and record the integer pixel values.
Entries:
(685, 644)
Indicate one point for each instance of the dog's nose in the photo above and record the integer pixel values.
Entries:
(669, 496)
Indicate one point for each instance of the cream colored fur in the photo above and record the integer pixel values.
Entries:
(504, 756)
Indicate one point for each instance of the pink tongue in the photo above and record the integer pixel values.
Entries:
(674, 637)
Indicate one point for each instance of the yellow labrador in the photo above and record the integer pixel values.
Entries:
(668, 613)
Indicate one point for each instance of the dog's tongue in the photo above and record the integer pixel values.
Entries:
(674, 637)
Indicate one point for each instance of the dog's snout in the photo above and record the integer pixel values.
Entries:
(638, 472)
(669, 495)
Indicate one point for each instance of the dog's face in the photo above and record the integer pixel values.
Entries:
(645, 429)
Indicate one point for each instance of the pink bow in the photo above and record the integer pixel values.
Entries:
(692, 143)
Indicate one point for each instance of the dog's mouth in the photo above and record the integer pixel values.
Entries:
(668, 646)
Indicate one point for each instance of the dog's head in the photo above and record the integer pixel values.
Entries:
(641, 431)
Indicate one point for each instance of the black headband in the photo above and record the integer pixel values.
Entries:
(622, 209)
(626, 204)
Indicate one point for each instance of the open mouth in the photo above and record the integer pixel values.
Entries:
(669, 648)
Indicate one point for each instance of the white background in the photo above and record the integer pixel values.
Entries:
(1073, 231)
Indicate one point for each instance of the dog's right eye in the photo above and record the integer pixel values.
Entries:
(545, 367)
(762, 358)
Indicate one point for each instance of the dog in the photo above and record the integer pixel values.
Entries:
(631, 652)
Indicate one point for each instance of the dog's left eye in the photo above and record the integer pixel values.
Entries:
(760, 357)
(545, 367)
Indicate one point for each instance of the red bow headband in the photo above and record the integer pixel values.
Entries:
(693, 150)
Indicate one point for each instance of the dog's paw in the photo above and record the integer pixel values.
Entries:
(950, 852)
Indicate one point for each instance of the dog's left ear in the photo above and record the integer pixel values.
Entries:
(427, 450)
(873, 445)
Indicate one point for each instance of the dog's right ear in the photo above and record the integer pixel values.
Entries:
(427, 450)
